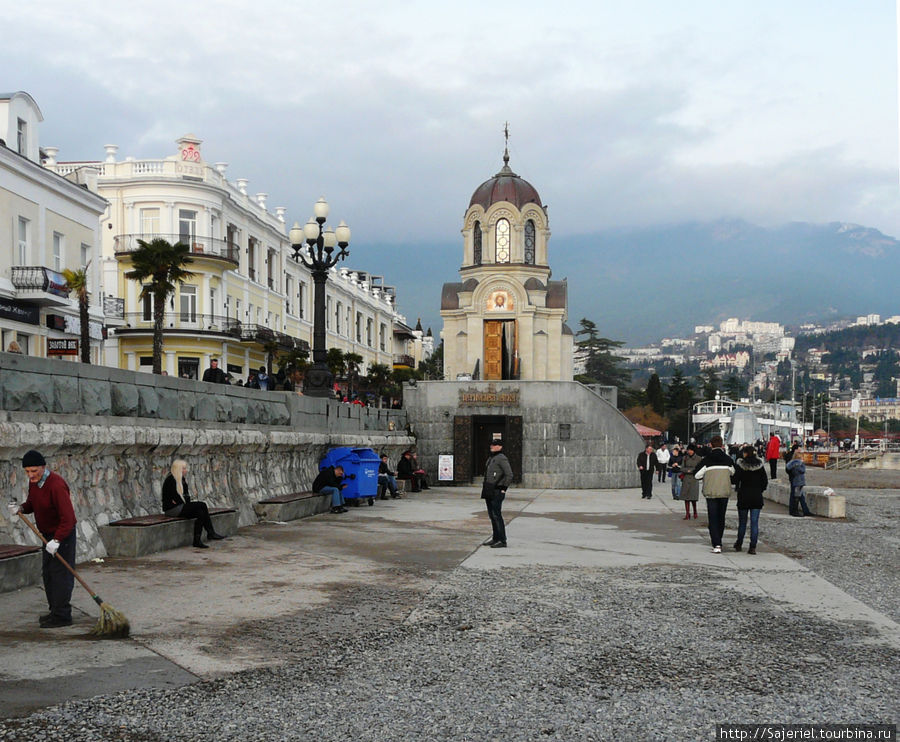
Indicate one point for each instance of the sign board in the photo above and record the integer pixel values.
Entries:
(62, 346)
(445, 467)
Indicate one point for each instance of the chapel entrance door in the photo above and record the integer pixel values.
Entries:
(500, 350)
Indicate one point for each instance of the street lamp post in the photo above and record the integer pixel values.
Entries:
(313, 246)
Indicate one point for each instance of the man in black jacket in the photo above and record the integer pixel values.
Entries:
(646, 464)
(214, 374)
(330, 482)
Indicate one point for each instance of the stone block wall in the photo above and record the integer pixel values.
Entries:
(600, 453)
(113, 435)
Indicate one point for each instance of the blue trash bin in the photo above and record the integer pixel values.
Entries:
(360, 471)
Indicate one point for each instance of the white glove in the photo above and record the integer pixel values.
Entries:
(52, 546)
(13, 509)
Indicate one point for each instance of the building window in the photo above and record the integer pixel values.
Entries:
(188, 303)
(529, 242)
(212, 302)
(237, 310)
(327, 313)
(369, 339)
(359, 327)
(85, 254)
(382, 334)
(288, 293)
(187, 226)
(22, 138)
(150, 224)
(301, 298)
(338, 311)
(502, 235)
(476, 234)
(147, 304)
(270, 265)
(251, 258)
(24, 233)
(57, 252)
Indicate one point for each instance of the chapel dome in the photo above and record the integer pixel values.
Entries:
(505, 186)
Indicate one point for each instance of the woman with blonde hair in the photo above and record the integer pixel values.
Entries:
(176, 502)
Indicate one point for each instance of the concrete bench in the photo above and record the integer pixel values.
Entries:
(145, 534)
(293, 506)
(401, 486)
(20, 566)
(825, 506)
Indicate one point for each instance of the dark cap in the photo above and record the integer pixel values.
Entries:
(33, 458)
(497, 442)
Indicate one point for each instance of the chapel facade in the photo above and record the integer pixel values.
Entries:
(506, 319)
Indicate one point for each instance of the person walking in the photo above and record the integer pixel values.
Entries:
(690, 487)
(662, 462)
(675, 472)
(646, 464)
(177, 503)
(50, 501)
(715, 470)
(497, 478)
(796, 471)
(773, 451)
(750, 480)
(214, 374)
(330, 482)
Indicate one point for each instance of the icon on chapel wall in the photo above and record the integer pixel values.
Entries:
(500, 301)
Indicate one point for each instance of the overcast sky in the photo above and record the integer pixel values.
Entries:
(621, 113)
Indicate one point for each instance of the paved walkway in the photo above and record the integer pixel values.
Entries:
(200, 614)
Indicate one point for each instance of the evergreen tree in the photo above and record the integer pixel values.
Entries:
(654, 394)
(601, 366)
(709, 383)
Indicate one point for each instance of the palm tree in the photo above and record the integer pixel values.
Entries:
(378, 377)
(77, 283)
(161, 265)
(352, 361)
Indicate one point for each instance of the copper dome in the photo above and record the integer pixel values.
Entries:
(505, 186)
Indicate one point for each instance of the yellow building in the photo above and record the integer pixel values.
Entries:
(247, 297)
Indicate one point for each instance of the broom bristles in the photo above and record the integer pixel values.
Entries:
(111, 624)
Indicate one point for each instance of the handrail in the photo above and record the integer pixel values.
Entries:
(200, 246)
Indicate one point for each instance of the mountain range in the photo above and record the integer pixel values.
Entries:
(640, 284)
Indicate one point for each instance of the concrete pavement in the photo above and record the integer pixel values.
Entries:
(199, 614)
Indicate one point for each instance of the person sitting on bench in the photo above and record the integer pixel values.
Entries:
(330, 482)
(177, 503)
(386, 479)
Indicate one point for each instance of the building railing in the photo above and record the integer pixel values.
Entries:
(200, 246)
(38, 278)
(213, 323)
(404, 360)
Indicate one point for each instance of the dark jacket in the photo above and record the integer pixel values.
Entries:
(715, 470)
(498, 476)
(215, 376)
(675, 463)
(642, 461)
(170, 496)
(383, 468)
(327, 478)
(405, 468)
(751, 481)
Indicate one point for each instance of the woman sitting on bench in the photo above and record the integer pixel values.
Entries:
(177, 503)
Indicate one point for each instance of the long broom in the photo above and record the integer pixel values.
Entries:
(112, 624)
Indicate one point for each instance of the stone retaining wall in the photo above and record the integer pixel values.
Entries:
(113, 435)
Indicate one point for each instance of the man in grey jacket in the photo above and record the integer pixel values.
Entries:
(497, 477)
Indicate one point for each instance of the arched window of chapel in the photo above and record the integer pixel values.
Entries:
(502, 241)
(529, 242)
(476, 236)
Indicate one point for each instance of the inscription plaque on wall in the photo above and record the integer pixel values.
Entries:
(490, 397)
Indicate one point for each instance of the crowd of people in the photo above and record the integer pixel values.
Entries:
(717, 474)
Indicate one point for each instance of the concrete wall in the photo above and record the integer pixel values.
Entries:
(113, 434)
(601, 451)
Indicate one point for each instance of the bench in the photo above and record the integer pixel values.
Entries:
(20, 566)
(825, 506)
(145, 534)
(401, 487)
(293, 506)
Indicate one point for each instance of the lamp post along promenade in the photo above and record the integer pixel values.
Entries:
(314, 247)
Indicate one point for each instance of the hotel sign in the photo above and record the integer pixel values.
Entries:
(490, 397)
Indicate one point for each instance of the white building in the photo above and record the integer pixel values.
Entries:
(248, 297)
(50, 224)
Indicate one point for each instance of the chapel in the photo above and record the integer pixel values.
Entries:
(506, 319)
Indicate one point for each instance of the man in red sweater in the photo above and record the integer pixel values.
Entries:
(49, 500)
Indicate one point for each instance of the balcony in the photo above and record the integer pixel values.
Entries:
(404, 360)
(186, 322)
(201, 247)
(40, 285)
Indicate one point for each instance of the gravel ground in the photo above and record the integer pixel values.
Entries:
(560, 654)
(858, 554)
